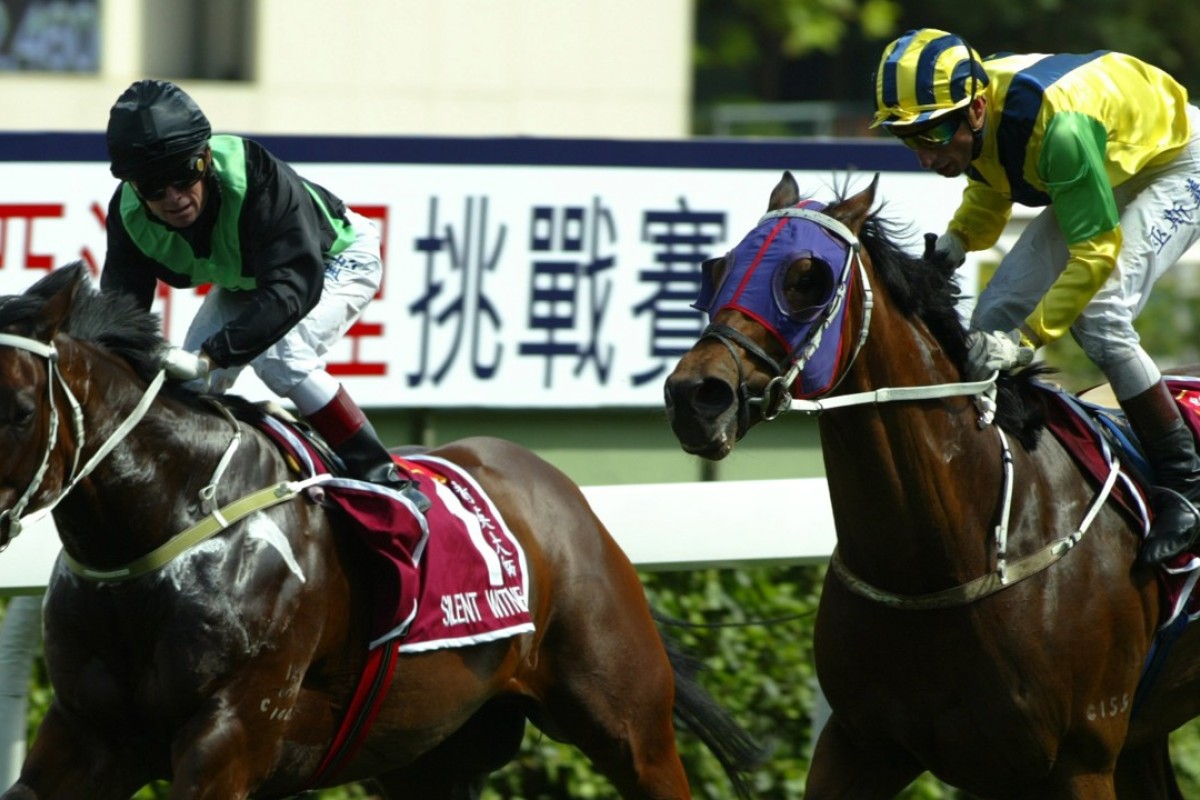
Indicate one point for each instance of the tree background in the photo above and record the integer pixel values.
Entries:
(774, 51)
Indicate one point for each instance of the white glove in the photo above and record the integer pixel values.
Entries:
(184, 366)
(988, 352)
(951, 248)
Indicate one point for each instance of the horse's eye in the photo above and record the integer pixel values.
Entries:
(19, 416)
(805, 289)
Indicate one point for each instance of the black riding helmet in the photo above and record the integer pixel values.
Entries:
(152, 128)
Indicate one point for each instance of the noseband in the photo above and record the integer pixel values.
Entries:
(14, 520)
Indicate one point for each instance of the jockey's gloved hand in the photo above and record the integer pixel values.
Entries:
(989, 352)
(184, 366)
(951, 248)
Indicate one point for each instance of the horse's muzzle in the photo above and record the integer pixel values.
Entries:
(703, 412)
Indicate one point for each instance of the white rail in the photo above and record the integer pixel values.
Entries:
(661, 526)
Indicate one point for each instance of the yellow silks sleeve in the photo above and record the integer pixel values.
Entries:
(981, 217)
(1088, 266)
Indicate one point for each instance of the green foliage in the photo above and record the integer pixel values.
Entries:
(1185, 755)
(787, 51)
(753, 631)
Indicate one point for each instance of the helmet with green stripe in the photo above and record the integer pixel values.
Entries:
(924, 75)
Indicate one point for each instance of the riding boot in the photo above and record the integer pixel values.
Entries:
(348, 432)
(1171, 450)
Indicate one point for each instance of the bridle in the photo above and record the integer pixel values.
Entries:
(14, 520)
(776, 396)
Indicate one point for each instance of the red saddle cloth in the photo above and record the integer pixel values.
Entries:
(453, 577)
(1076, 427)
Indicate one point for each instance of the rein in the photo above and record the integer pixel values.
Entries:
(14, 520)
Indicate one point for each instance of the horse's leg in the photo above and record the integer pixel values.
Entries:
(430, 786)
(213, 760)
(843, 769)
(66, 762)
(607, 686)
(1146, 773)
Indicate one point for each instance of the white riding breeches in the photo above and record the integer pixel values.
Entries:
(352, 278)
(1160, 219)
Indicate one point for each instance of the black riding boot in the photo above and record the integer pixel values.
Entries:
(367, 459)
(1171, 451)
(350, 435)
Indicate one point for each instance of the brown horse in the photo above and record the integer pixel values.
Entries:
(227, 671)
(959, 631)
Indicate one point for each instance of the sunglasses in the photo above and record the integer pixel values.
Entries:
(934, 137)
(179, 179)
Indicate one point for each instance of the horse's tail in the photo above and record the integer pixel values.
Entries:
(731, 744)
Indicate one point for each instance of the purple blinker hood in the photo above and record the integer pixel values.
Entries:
(752, 284)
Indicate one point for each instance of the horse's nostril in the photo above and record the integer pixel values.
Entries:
(712, 396)
(698, 397)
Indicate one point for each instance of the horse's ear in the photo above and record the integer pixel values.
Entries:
(785, 194)
(58, 305)
(853, 211)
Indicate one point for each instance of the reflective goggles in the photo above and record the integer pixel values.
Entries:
(179, 179)
(935, 137)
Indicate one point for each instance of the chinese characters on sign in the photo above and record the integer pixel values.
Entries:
(504, 286)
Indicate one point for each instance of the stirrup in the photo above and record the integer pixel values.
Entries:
(1175, 530)
(407, 488)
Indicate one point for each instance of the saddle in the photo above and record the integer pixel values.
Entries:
(1093, 429)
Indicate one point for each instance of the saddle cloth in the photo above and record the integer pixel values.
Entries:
(453, 577)
(1092, 433)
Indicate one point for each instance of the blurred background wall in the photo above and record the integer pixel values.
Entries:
(538, 67)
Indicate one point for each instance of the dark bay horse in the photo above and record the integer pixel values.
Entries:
(1019, 686)
(228, 670)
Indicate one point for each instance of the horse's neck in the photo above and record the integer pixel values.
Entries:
(905, 477)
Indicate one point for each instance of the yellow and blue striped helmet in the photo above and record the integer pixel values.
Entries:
(924, 74)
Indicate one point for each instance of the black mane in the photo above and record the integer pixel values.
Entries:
(928, 290)
(110, 320)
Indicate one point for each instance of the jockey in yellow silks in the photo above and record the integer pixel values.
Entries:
(1111, 147)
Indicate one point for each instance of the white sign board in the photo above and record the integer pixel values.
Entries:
(564, 284)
